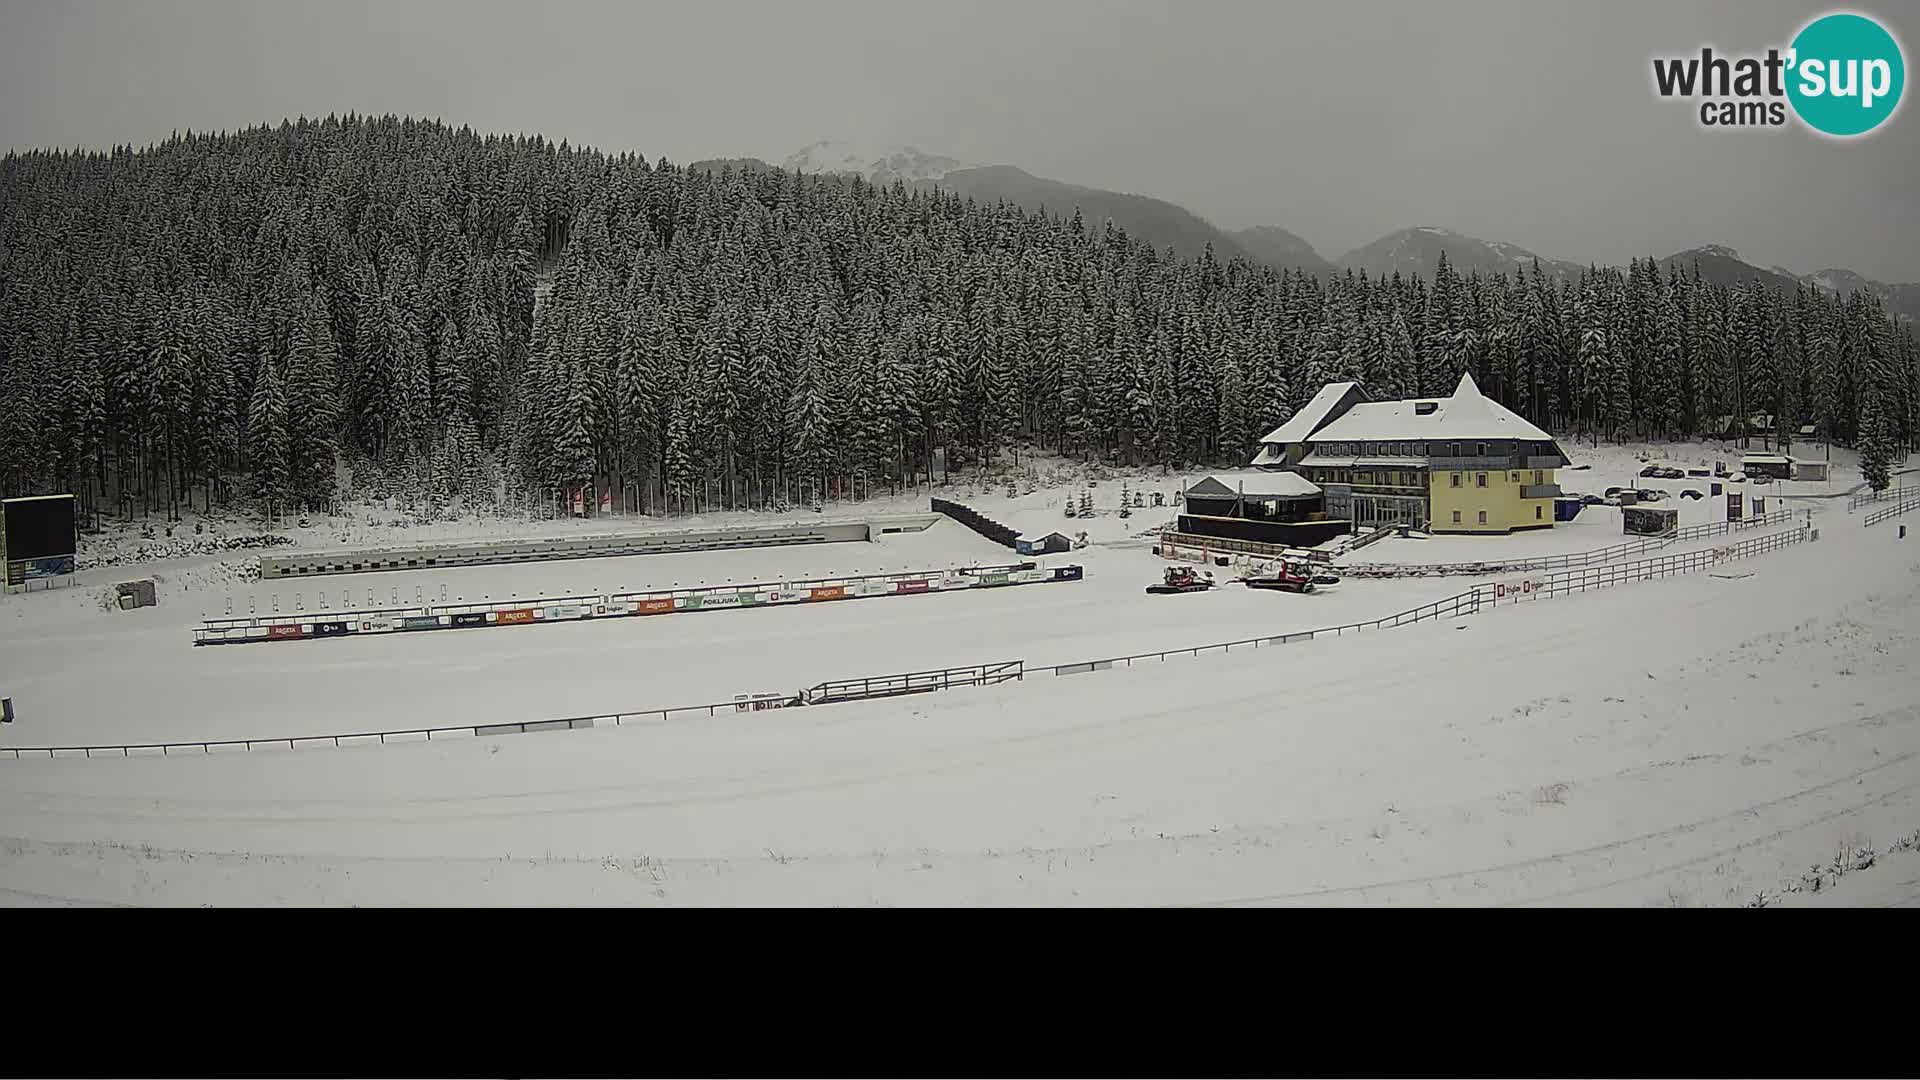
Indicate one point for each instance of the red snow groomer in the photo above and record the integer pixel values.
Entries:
(1290, 576)
(1182, 579)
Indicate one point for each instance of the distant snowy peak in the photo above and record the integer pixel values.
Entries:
(1903, 299)
(1417, 250)
(1844, 282)
(884, 165)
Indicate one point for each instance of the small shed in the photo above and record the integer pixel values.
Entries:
(1044, 544)
(1566, 508)
(134, 594)
(1815, 471)
(1649, 520)
(1775, 466)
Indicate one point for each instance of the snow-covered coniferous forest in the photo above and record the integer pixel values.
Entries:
(217, 320)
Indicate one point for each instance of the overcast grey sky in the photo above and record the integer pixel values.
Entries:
(1530, 122)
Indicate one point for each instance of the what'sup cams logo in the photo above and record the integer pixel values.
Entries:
(1842, 76)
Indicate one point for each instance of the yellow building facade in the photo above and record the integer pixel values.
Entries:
(1491, 501)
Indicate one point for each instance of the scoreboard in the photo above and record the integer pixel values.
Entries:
(39, 537)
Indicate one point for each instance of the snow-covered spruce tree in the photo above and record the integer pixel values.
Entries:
(268, 437)
(1876, 444)
(1235, 439)
(1665, 371)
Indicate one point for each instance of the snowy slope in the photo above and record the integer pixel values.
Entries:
(1689, 741)
(1676, 743)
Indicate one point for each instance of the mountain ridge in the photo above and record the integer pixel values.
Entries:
(1412, 250)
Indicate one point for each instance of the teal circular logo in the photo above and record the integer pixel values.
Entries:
(1846, 75)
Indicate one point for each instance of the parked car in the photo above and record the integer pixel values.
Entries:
(1737, 478)
(1691, 494)
(1612, 491)
(1651, 470)
(1651, 494)
(1592, 500)
(1762, 478)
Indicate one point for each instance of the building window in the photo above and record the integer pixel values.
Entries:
(1480, 480)
(1483, 517)
(1482, 451)
(1456, 517)
(1456, 479)
(1515, 477)
(1536, 513)
(1537, 477)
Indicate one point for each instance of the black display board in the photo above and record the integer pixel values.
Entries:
(39, 537)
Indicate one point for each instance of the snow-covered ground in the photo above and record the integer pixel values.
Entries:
(457, 677)
(1689, 741)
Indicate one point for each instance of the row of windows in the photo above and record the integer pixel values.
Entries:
(1480, 479)
(1385, 477)
(1406, 449)
(1537, 516)
(1436, 449)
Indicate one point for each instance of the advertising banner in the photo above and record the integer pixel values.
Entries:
(21, 571)
(1514, 591)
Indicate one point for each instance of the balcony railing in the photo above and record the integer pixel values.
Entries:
(1490, 463)
(1548, 462)
(1539, 491)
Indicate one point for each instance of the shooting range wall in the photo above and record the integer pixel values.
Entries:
(484, 553)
